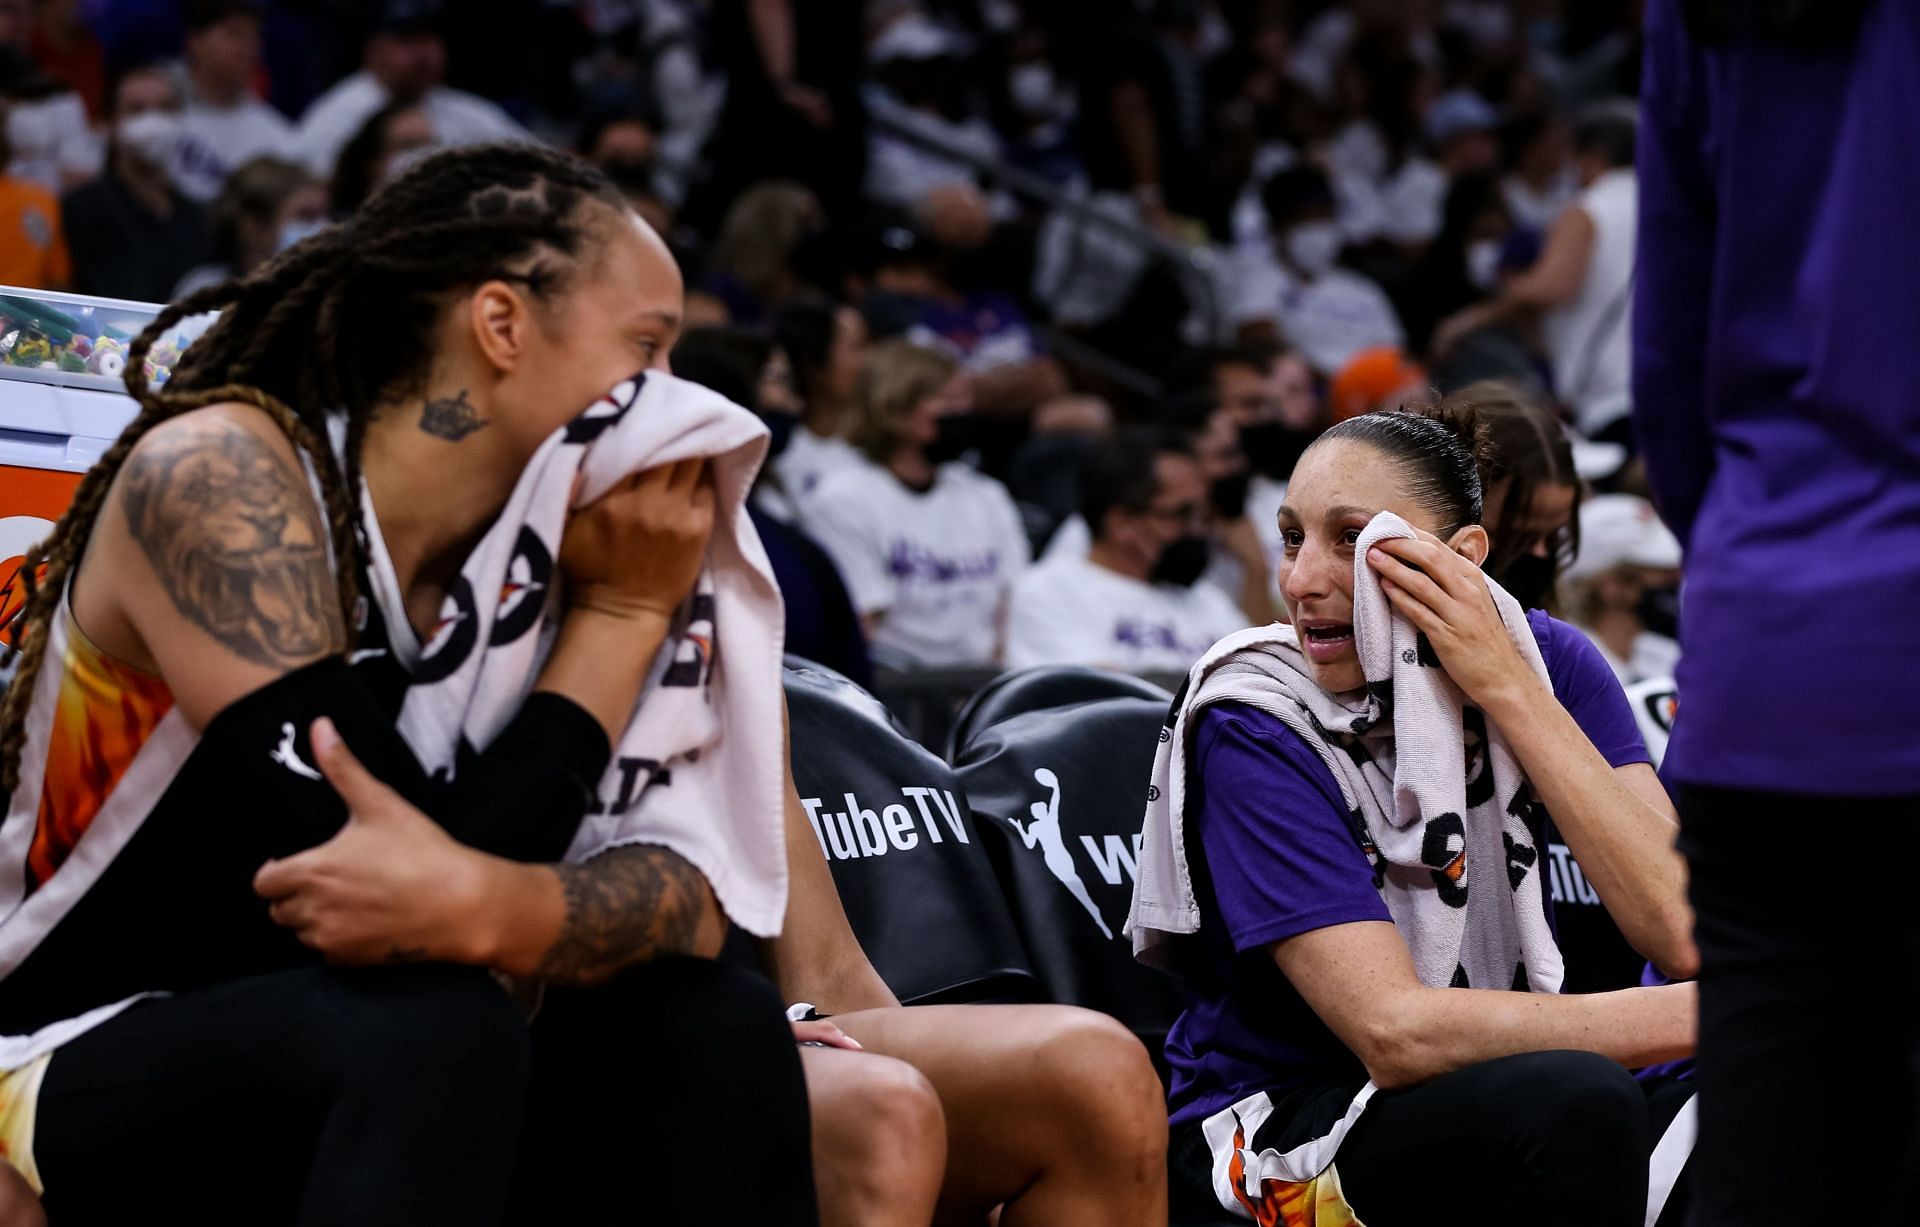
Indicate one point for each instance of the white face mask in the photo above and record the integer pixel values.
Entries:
(154, 136)
(1031, 87)
(1483, 263)
(1313, 247)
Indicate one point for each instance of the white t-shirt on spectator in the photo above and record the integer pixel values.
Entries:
(937, 565)
(53, 144)
(1653, 656)
(458, 118)
(1536, 210)
(215, 140)
(1328, 320)
(1073, 539)
(1072, 611)
(810, 459)
(1588, 337)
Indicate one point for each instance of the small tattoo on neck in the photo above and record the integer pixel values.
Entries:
(450, 417)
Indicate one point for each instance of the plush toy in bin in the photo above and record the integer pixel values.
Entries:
(109, 358)
(25, 347)
(160, 360)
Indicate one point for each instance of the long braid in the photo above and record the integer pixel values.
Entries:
(339, 323)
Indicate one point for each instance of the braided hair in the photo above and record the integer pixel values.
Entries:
(332, 327)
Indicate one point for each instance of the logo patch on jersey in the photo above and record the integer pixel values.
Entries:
(524, 594)
(288, 756)
(453, 637)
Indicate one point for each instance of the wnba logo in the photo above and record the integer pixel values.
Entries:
(18, 534)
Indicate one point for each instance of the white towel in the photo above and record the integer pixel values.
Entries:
(1439, 803)
(699, 769)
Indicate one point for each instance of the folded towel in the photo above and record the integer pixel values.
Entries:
(1439, 805)
(700, 767)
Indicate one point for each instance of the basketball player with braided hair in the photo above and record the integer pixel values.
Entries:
(411, 361)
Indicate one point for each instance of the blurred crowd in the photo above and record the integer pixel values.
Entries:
(1041, 298)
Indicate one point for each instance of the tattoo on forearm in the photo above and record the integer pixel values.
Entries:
(234, 534)
(450, 417)
(625, 906)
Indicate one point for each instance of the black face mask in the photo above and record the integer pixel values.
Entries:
(1273, 448)
(959, 433)
(1229, 495)
(780, 426)
(1183, 562)
(1660, 610)
(1529, 579)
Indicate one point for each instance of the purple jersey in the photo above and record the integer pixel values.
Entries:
(1281, 859)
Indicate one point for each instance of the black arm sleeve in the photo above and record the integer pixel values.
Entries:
(524, 796)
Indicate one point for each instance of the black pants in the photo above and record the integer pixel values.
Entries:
(1543, 1137)
(672, 1095)
(1809, 1007)
(317, 1096)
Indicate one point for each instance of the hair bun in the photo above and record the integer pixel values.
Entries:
(1460, 415)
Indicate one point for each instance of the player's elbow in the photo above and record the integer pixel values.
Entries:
(1396, 1048)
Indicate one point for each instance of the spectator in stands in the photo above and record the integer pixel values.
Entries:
(1135, 601)
(223, 123)
(1531, 488)
(1037, 118)
(1541, 179)
(131, 232)
(1305, 1001)
(267, 206)
(33, 249)
(751, 269)
(1375, 378)
(405, 61)
(921, 81)
(1144, 96)
(1581, 285)
(1624, 580)
(928, 547)
(825, 343)
(623, 139)
(393, 138)
(793, 108)
(1240, 566)
(1278, 413)
(916, 294)
(59, 36)
(1462, 265)
(1387, 189)
(1301, 295)
(47, 124)
(821, 625)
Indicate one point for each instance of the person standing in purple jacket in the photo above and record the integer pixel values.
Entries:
(1777, 396)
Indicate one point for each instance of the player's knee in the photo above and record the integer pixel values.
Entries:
(1104, 1082)
(891, 1131)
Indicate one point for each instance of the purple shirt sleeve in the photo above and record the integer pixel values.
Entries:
(1278, 843)
(1587, 688)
